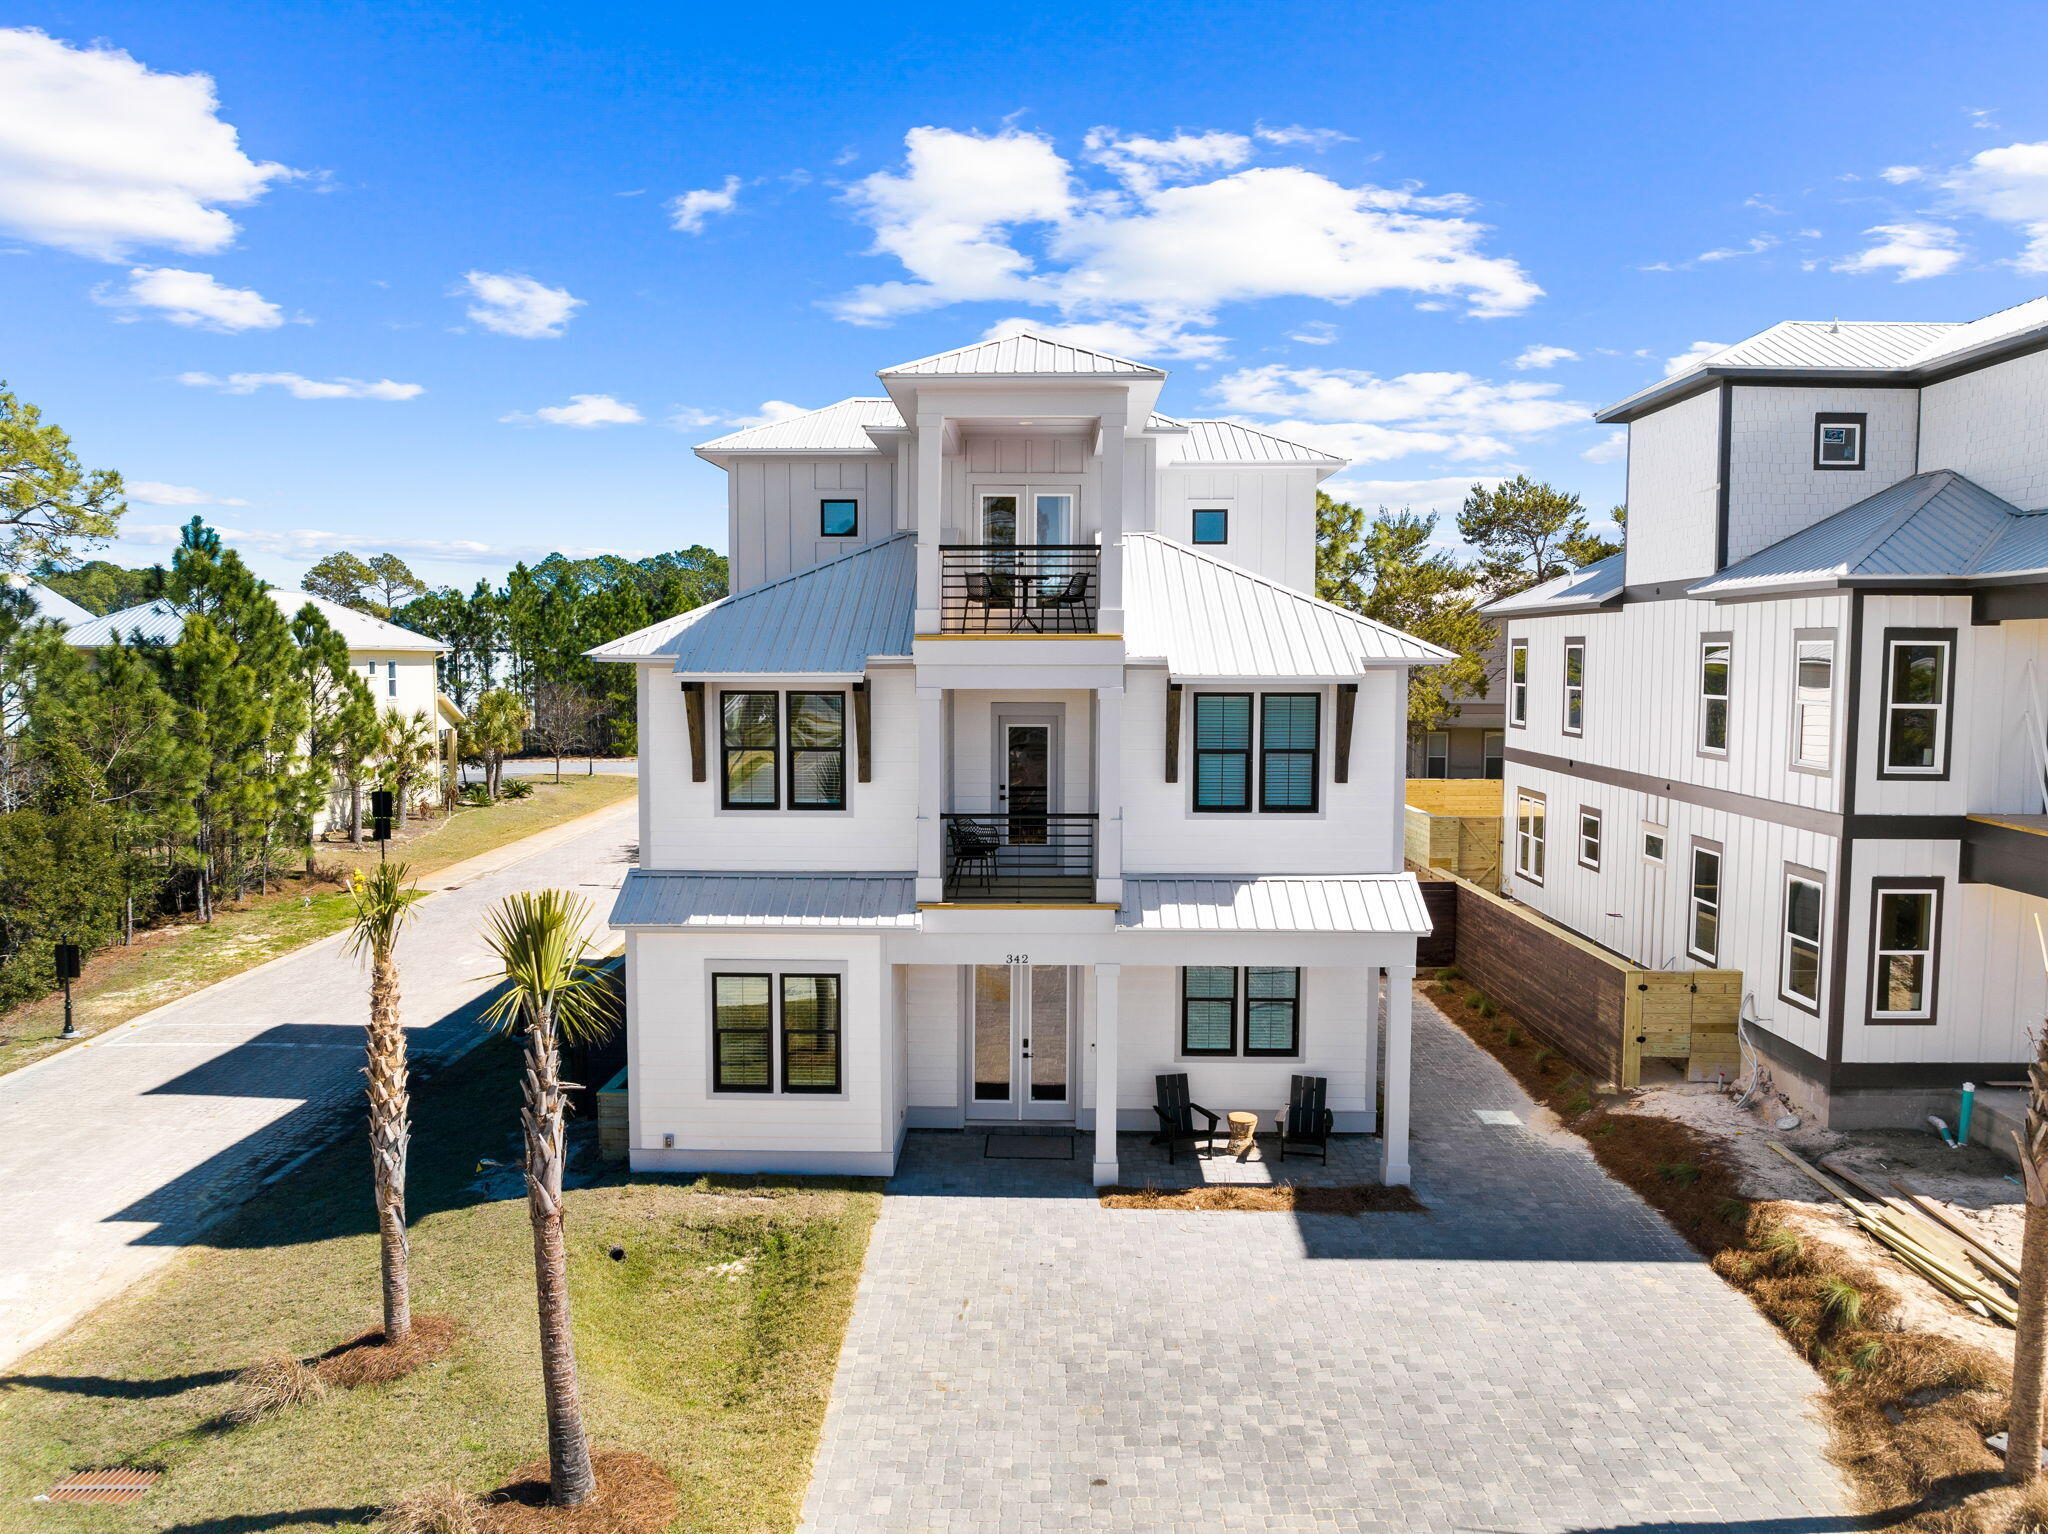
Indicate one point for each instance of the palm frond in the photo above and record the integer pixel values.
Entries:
(383, 901)
(541, 938)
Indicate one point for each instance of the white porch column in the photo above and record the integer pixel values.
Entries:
(931, 792)
(1107, 979)
(1394, 1122)
(1109, 794)
(931, 484)
(1114, 494)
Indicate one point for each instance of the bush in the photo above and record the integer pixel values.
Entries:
(474, 795)
(516, 788)
(278, 1383)
(1484, 1006)
(1449, 973)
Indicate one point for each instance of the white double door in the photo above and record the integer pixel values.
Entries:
(1021, 1030)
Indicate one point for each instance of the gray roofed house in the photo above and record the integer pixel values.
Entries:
(48, 605)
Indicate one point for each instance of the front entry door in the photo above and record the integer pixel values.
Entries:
(1021, 1036)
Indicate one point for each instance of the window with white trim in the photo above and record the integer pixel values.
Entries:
(1916, 703)
(1813, 702)
(1589, 837)
(1529, 835)
(1653, 843)
(1574, 686)
(1717, 655)
(1904, 924)
(1518, 682)
(1288, 727)
(1838, 440)
(1493, 751)
(1800, 943)
(1703, 933)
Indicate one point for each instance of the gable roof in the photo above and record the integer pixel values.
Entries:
(829, 618)
(1211, 619)
(837, 428)
(1234, 442)
(161, 622)
(47, 604)
(1589, 586)
(1020, 355)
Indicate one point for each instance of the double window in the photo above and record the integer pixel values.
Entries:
(1717, 662)
(1286, 726)
(839, 519)
(1800, 943)
(1906, 924)
(1518, 683)
(1838, 441)
(775, 1033)
(1574, 686)
(1703, 937)
(1252, 1013)
(1916, 701)
(783, 750)
(1813, 701)
(390, 676)
(1589, 837)
(1212, 525)
(1529, 835)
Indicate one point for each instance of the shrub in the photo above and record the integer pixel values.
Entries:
(516, 788)
(1513, 1039)
(1449, 973)
(1683, 1173)
(277, 1383)
(1483, 1005)
(474, 794)
(437, 1510)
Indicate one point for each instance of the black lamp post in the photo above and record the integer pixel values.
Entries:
(382, 804)
(68, 962)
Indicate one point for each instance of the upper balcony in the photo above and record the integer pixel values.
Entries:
(1025, 589)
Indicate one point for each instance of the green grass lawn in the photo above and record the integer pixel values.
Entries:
(172, 961)
(709, 1347)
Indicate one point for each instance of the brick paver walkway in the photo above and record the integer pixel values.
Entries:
(1538, 1354)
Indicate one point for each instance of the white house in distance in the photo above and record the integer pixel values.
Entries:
(45, 603)
(1798, 728)
(1020, 767)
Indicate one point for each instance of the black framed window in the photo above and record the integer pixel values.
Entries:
(747, 722)
(742, 1046)
(1252, 1012)
(1223, 750)
(1212, 525)
(839, 519)
(810, 1033)
(815, 730)
(1838, 440)
(783, 750)
(1288, 726)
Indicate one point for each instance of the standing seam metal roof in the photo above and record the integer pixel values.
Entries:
(1588, 585)
(47, 603)
(1389, 903)
(1234, 442)
(837, 428)
(651, 898)
(160, 622)
(1023, 353)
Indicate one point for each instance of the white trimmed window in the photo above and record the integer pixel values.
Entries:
(1574, 686)
(1653, 842)
(1813, 703)
(1493, 747)
(1703, 935)
(1717, 654)
(1518, 682)
(1436, 753)
(1916, 669)
(1529, 835)
(1902, 979)
(1800, 944)
(1589, 838)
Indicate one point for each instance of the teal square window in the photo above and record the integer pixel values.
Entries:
(1212, 526)
(839, 519)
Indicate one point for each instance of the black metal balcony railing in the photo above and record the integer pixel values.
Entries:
(1029, 857)
(1024, 588)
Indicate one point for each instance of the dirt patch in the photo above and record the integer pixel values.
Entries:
(1284, 1198)
(369, 1360)
(634, 1496)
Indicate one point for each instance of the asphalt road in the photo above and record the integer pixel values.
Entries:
(119, 1152)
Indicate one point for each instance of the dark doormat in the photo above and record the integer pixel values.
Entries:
(1026, 1147)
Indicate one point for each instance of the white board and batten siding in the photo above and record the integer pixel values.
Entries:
(976, 753)
(773, 512)
(1271, 523)
(990, 462)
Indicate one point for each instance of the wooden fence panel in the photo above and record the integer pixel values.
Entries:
(1440, 896)
(1566, 989)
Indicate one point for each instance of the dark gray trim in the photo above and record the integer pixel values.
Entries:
(1905, 828)
(1699, 695)
(1660, 591)
(1599, 838)
(1693, 847)
(1885, 772)
(1930, 1073)
(1784, 1052)
(2005, 856)
(1845, 847)
(1787, 873)
(1797, 816)
(1724, 454)
(1899, 882)
(1860, 419)
(1564, 686)
(2002, 604)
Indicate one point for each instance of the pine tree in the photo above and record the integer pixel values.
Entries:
(1526, 533)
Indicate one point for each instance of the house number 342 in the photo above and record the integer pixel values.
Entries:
(1017, 958)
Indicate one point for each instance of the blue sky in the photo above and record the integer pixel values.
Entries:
(1428, 236)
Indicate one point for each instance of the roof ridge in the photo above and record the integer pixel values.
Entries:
(1260, 431)
(1029, 335)
(1937, 481)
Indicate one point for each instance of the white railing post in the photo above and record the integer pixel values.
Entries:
(1109, 795)
(931, 517)
(931, 793)
(1400, 1006)
(1108, 979)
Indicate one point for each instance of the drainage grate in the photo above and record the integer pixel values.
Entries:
(104, 1486)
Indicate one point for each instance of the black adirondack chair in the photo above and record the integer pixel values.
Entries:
(1177, 1118)
(971, 847)
(1306, 1123)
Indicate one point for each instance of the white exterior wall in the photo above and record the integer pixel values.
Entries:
(1272, 516)
(975, 750)
(1673, 469)
(995, 462)
(418, 687)
(772, 512)
(1773, 488)
(1992, 426)
(937, 1044)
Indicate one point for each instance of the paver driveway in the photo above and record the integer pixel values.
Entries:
(1540, 1353)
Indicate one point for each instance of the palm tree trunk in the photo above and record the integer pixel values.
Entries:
(390, 1133)
(355, 809)
(570, 1478)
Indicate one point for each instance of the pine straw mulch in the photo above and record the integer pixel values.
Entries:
(1908, 1412)
(634, 1496)
(367, 1359)
(1284, 1198)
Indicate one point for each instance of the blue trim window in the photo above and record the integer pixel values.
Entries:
(839, 519)
(1212, 526)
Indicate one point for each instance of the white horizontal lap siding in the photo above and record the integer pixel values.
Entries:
(1643, 910)
(1992, 426)
(1353, 831)
(932, 1002)
(1642, 703)
(1989, 986)
(1773, 488)
(1673, 469)
(975, 748)
(1337, 1041)
(686, 829)
(1989, 693)
(1272, 517)
(773, 503)
(671, 1047)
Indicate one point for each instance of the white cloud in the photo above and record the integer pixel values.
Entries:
(1144, 163)
(1913, 250)
(1612, 448)
(1692, 356)
(1133, 336)
(513, 305)
(100, 155)
(689, 212)
(190, 298)
(1899, 175)
(154, 492)
(1294, 133)
(2009, 185)
(1372, 419)
(584, 410)
(301, 387)
(771, 410)
(310, 543)
(1542, 357)
(1440, 497)
(1141, 253)
(689, 417)
(1314, 333)
(1756, 245)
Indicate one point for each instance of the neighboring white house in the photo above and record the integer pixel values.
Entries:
(1019, 767)
(46, 603)
(1798, 727)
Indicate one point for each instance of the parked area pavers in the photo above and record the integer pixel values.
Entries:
(1539, 1353)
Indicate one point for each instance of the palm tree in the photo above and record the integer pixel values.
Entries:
(407, 747)
(384, 902)
(497, 726)
(553, 993)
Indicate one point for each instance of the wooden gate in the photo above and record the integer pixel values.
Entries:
(1688, 1015)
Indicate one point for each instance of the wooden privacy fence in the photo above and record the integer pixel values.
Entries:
(1606, 1013)
(1455, 824)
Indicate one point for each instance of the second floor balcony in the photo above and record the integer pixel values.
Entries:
(1031, 858)
(1019, 588)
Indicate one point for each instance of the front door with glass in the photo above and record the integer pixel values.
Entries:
(1021, 1042)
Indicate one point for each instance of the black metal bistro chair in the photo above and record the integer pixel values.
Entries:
(1308, 1120)
(969, 846)
(1177, 1118)
(1065, 599)
(992, 591)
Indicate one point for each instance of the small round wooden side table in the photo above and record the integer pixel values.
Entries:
(1244, 1127)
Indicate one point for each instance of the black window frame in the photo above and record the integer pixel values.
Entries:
(836, 1032)
(1859, 419)
(727, 748)
(1240, 1001)
(1195, 516)
(790, 748)
(784, 751)
(825, 527)
(1314, 753)
(719, 1031)
(1247, 753)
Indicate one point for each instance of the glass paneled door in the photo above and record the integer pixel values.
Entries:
(1026, 514)
(1021, 1040)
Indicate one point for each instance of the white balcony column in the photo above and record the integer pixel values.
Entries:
(931, 793)
(1400, 1007)
(1108, 977)
(1114, 494)
(1109, 794)
(931, 517)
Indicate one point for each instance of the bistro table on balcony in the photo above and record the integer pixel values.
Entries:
(1010, 588)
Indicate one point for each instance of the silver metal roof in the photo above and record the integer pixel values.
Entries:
(1211, 619)
(828, 619)
(161, 622)
(1588, 586)
(651, 898)
(1021, 354)
(47, 603)
(1389, 903)
(1234, 442)
(840, 428)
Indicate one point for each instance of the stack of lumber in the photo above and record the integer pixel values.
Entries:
(1925, 1235)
